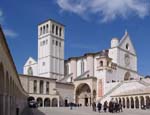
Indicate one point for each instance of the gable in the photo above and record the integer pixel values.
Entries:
(126, 44)
(30, 61)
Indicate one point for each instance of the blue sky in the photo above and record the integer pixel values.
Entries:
(90, 25)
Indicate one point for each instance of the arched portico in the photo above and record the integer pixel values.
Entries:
(136, 102)
(123, 102)
(54, 102)
(66, 102)
(30, 98)
(83, 94)
(47, 102)
(147, 101)
(132, 102)
(40, 101)
(128, 102)
(142, 101)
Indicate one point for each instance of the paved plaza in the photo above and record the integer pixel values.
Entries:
(81, 111)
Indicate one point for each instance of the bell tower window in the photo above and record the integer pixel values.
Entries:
(53, 28)
(60, 31)
(47, 28)
(56, 30)
(43, 29)
(101, 63)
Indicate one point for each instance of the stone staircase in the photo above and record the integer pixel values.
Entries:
(144, 83)
(110, 91)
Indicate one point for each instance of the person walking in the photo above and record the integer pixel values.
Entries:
(94, 106)
(120, 107)
(99, 106)
(111, 107)
(105, 106)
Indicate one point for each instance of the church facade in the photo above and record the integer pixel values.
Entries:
(92, 77)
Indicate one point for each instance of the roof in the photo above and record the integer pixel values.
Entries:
(38, 77)
(50, 19)
(134, 92)
(101, 53)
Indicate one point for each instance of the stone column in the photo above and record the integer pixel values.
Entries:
(38, 86)
(44, 87)
(134, 102)
(139, 102)
(144, 100)
(129, 102)
(58, 102)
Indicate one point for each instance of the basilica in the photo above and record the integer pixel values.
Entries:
(109, 74)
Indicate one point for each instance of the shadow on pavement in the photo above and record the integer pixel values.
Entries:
(31, 111)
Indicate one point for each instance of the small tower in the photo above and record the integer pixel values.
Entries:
(51, 49)
(114, 42)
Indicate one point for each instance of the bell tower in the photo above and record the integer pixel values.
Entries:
(51, 49)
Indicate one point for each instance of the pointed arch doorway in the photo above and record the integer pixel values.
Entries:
(83, 94)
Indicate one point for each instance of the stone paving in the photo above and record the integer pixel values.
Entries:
(83, 111)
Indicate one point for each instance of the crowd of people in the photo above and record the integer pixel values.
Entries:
(111, 107)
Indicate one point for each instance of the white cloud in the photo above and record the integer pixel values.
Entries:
(7, 31)
(107, 10)
(10, 33)
(1, 16)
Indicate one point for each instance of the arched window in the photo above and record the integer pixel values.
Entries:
(101, 63)
(53, 28)
(30, 71)
(127, 46)
(127, 76)
(82, 66)
(47, 28)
